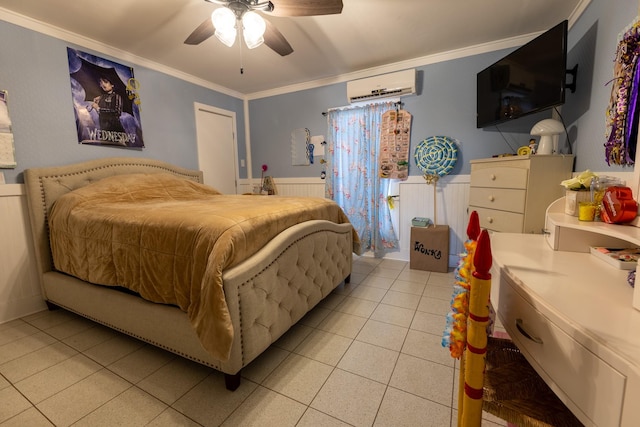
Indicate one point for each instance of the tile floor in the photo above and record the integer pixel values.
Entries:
(369, 355)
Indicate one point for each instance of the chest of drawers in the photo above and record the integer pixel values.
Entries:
(511, 194)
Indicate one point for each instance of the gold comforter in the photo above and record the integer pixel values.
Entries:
(169, 239)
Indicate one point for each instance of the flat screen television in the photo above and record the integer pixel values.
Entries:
(526, 81)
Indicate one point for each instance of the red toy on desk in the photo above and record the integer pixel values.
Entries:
(618, 205)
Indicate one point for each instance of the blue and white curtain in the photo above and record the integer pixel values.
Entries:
(352, 174)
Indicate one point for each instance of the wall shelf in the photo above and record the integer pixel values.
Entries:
(567, 233)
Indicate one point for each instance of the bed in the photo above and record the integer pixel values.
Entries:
(236, 302)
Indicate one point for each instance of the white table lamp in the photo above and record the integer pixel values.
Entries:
(546, 129)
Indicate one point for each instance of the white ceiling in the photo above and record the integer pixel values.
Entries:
(369, 34)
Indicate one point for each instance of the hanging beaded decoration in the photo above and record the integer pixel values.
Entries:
(622, 114)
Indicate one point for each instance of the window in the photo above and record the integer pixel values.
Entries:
(352, 174)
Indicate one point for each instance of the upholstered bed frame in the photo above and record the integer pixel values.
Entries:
(266, 294)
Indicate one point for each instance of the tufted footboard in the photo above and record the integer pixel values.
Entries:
(266, 294)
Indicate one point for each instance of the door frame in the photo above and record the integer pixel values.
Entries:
(234, 125)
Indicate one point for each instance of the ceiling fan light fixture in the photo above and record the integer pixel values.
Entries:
(223, 18)
(253, 29)
(224, 21)
(227, 36)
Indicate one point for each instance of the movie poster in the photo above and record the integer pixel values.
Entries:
(105, 101)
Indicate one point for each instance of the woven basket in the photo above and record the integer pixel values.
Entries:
(513, 390)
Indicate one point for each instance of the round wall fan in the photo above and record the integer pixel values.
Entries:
(272, 37)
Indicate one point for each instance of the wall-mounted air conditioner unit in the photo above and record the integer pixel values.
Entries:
(382, 86)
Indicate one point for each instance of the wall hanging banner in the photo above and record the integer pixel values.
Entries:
(105, 100)
(395, 136)
(622, 111)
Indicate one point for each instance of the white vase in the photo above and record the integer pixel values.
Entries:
(572, 200)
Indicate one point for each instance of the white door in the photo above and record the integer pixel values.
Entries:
(217, 152)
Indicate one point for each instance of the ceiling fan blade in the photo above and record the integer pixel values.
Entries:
(276, 41)
(306, 7)
(200, 34)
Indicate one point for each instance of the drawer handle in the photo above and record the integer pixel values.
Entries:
(492, 198)
(490, 220)
(493, 177)
(520, 328)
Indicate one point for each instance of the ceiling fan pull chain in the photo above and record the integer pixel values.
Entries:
(240, 44)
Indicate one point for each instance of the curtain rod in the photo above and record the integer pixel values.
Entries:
(397, 103)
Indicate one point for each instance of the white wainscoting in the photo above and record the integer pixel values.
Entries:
(20, 292)
(416, 198)
(301, 187)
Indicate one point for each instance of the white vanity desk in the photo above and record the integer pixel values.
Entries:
(578, 309)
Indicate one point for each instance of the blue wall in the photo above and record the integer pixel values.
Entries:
(610, 18)
(445, 104)
(34, 70)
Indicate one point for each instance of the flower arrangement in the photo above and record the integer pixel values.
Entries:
(264, 169)
(580, 182)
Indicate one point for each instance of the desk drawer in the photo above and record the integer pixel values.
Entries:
(581, 376)
(499, 177)
(511, 200)
(506, 222)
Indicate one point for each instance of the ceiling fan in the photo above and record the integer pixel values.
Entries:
(243, 15)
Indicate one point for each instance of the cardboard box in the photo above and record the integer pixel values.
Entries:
(429, 249)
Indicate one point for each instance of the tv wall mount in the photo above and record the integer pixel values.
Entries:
(574, 73)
